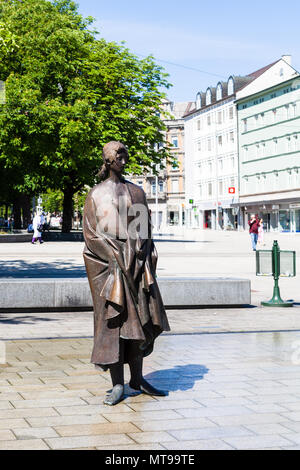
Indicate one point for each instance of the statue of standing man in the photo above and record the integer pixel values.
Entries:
(120, 259)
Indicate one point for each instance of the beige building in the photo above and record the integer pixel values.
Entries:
(166, 191)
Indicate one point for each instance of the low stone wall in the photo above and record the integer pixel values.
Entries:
(70, 294)
(16, 238)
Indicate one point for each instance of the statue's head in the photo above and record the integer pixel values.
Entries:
(115, 157)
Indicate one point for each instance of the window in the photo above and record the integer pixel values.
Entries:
(232, 160)
(140, 183)
(200, 190)
(274, 112)
(230, 85)
(209, 144)
(175, 186)
(208, 120)
(231, 112)
(275, 146)
(295, 142)
(199, 124)
(220, 140)
(199, 146)
(257, 147)
(287, 111)
(219, 117)
(161, 186)
(245, 123)
(175, 165)
(175, 140)
(231, 135)
(208, 96)
(209, 189)
(221, 187)
(198, 101)
(210, 167)
(256, 120)
(221, 166)
(288, 143)
(153, 188)
(219, 92)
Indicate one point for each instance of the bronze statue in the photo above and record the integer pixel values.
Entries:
(120, 259)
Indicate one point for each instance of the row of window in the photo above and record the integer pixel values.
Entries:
(207, 167)
(209, 189)
(219, 92)
(222, 140)
(215, 117)
(275, 181)
(272, 147)
(282, 113)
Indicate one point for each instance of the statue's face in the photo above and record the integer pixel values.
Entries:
(120, 160)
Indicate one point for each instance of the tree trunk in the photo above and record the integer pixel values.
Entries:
(67, 209)
(17, 212)
(26, 209)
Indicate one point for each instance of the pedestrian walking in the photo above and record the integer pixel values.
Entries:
(260, 239)
(253, 230)
(38, 223)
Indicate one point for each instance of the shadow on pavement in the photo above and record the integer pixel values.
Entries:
(179, 378)
(25, 320)
(20, 269)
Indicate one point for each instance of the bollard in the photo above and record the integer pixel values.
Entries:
(274, 268)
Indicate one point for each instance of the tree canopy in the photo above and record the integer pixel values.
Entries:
(69, 92)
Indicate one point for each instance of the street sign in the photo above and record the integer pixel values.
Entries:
(231, 190)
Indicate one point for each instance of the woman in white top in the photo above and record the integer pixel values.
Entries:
(38, 222)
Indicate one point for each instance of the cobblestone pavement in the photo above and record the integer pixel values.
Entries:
(226, 391)
(212, 320)
(233, 375)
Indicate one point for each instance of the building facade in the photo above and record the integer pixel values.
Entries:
(212, 148)
(269, 147)
(166, 191)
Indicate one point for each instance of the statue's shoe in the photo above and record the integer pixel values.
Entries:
(145, 387)
(115, 396)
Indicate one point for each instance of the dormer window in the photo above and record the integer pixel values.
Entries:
(219, 92)
(198, 101)
(230, 86)
(208, 96)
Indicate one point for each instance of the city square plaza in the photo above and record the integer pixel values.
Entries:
(232, 373)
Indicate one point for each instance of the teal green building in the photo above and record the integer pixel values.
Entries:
(269, 156)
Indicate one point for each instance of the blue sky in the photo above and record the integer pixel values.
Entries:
(217, 37)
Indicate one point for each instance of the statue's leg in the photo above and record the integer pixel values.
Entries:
(135, 361)
(117, 378)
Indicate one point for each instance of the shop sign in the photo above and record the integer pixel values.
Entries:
(295, 206)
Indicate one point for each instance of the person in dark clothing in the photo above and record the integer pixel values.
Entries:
(253, 230)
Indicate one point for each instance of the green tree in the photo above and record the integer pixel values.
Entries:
(67, 94)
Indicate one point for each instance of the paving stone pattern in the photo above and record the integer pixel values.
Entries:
(226, 391)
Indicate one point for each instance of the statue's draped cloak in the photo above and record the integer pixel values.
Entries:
(121, 274)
